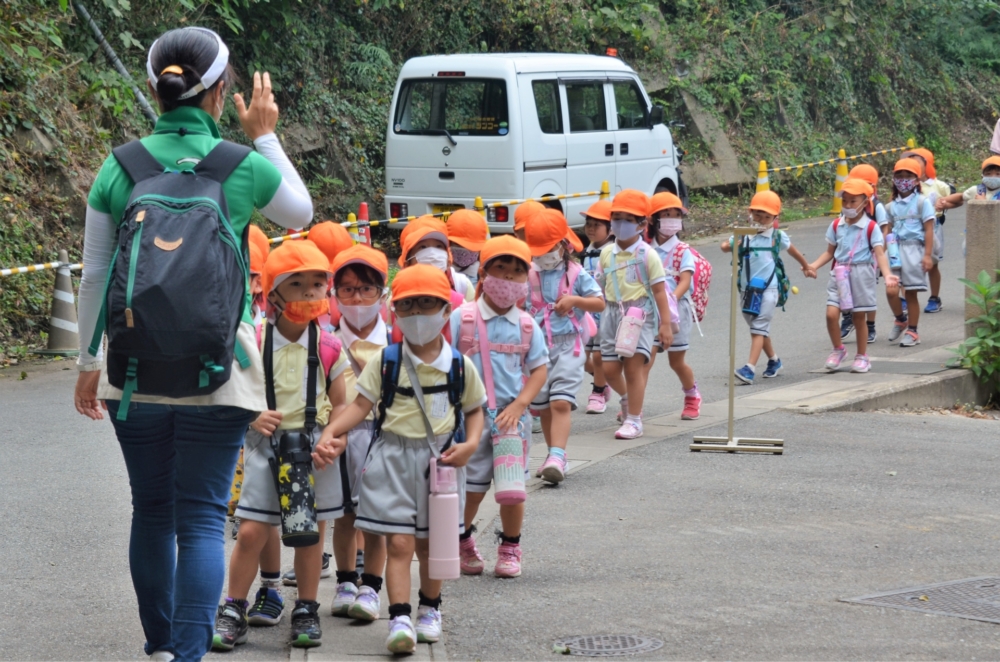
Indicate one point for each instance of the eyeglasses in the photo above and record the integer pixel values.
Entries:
(423, 303)
(369, 292)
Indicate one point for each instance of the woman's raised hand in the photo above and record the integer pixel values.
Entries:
(261, 117)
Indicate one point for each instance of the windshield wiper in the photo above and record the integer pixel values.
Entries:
(440, 132)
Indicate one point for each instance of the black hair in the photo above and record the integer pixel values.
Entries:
(194, 51)
(364, 273)
(506, 259)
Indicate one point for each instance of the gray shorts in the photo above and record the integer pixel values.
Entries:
(683, 335)
(938, 252)
(352, 461)
(479, 470)
(259, 496)
(864, 289)
(395, 487)
(912, 277)
(612, 317)
(565, 373)
(761, 324)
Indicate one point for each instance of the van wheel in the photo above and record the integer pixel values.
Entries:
(553, 204)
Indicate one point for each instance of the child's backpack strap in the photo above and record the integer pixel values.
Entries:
(391, 356)
(467, 329)
(329, 350)
(527, 331)
(535, 290)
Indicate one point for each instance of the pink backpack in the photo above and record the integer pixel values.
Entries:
(701, 280)
(329, 347)
(585, 330)
(468, 345)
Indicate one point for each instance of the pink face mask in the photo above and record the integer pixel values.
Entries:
(504, 293)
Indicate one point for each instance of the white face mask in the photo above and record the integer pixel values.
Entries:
(421, 329)
(436, 257)
(991, 183)
(624, 230)
(550, 261)
(851, 213)
(359, 316)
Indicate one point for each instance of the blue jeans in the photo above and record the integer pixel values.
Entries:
(180, 462)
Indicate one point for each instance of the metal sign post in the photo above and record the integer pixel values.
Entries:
(730, 443)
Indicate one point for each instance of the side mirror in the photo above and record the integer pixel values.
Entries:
(656, 116)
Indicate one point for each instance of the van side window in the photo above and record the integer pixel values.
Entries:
(630, 106)
(587, 111)
(463, 106)
(547, 105)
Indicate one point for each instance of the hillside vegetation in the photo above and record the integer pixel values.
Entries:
(791, 80)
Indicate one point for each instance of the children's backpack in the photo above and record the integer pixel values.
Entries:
(981, 193)
(784, 285)
(176, 288)
(329, 347)
(701, 280)
(392, 360)
(467, 334)
(585, 329)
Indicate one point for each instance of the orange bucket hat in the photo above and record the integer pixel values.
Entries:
(524, 211)
(331, 238)
(665, 200)
(856, 186)
(362, 254)
(421, 280)
(468, 229)
(257, 259)
(767, 201)
(909, 165)
(601, 210)
(421, 221)
(864, 172)
(505, 245)
(546, 229)
(928, 156)
(259, 239)
(630, 201)
(992, 161)
(425, 230)
(292, 257)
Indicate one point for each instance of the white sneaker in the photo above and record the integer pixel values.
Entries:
(428, 625)
(402, 638)
(366, 605)
(347, 593)
(161, 656)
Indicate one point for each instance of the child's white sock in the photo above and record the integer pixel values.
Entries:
(637, 419)
(751, 368)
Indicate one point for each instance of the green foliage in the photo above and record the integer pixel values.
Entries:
(981, 353)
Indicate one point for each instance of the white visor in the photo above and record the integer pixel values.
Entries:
(209, 78)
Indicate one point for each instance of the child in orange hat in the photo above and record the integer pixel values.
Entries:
(633, 277)
(866, 173)
(987, 189)
(524, 211)
(412, 428)
(425, 241)
(467, 232)
(765, 271)
(933, 189)
(597, 227)
(512, 358)
(562, 297)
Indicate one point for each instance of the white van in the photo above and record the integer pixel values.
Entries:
(515, 126)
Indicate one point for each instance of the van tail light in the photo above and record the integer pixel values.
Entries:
(502, 215)
(451, 74)
(399, 210)
(497, 215)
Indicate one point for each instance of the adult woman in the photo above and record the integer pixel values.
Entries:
(180, 452)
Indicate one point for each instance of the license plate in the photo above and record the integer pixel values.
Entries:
(440, 209)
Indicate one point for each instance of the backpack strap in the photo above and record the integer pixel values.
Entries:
(390, 378)
(222, 161)
(313, 363)
(527, 331)
(535, 289)
(467, 329)
(137, 162)
(329, 351)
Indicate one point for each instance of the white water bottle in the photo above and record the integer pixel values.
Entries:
(442, 520)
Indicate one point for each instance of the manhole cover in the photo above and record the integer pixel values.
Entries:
(607, 645)
(977, 599)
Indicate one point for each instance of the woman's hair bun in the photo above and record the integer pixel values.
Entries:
(171, 85)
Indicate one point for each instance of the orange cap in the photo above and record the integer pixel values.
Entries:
(632, 202)
(505, 245)
(665, 200)
(928, 156)
(292, 257)
(257, 259)
(992, 161)
(468, 229)
(258, 238)
(425, 230)
(857, 186)
(426, 219)
(909, 165)
(362, 254)
(601, 210)
(766, 201)
(864, 172)
(546, 229)
(331, 238)
(524, 211)
(421, 280)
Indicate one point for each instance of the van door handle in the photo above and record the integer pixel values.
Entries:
(624, 149)
(609, 149)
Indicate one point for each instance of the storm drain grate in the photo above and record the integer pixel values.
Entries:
(607, 645)
(977, 599)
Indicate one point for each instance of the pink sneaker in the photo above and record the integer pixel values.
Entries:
(508, 560)
(596, 403)
(629, 430)
(861, 363)
(836, 358)
(692, 408)
(553, 470)
(471, 561)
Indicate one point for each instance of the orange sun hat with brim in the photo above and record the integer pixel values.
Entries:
(857, 186)
(545, 230)
(257, 259)
(419, 222)
(468, 229)
(631, 201)
(992, 161)
(421, 280)
(767, 201)
(505, 245)
(362, 254)
(437, 231)
(665, 200)
(601, 210)
(289, 258)
(928, 156)
(524, 211)
(259, 239)
(909, 165)
(331, 238)
(864, 172)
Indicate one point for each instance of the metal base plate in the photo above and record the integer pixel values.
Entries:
(739, 445)
(977, 599)
(607, 645)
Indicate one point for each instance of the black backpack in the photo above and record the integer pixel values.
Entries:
(177, 285)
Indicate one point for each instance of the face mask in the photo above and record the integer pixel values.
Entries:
(670, 226)
(436, 257)
(463, 257)
(421, 329)
(991, 182)
(301, 312)
(504, 293)
(549, 261)
(360, 316)
(852, 213)
(624, 230)
(905, 186)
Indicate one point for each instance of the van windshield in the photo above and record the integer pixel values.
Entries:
(461, 106)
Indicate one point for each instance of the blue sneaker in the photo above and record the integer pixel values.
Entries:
(745, 375)
(934, 305)
(267, 608)
(773, 366)
(903, 300)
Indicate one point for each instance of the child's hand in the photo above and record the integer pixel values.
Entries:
(267, 422)
(459, 454)
(927, 263)
(891, 282)
(666, 335)
(328, 448)
(510, 417)
(725, 246)
(809, 271)
(565, 304)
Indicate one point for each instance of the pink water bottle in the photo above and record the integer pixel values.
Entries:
(842, 276)
(443, 516)
(627, 338)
